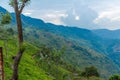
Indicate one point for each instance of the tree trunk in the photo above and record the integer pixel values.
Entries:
(20, 38)
(16, 63)
(19, 23)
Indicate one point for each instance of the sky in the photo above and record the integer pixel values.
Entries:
(90, 14)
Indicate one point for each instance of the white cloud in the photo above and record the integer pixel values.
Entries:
(109, 18)
(80, 16)
(83, 13)
(28, 12)
(52, 16)
(113, 14)
(116, 18)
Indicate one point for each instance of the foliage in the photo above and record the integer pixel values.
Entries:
(33, 66)
(11, 3)
(6, 18)
(76, 52)
(115, 77)
(90, 71)
(28, 68)
(10, 31)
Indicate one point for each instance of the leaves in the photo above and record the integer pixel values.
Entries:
(20, 2)
(90, 71)
(115, 77)
(11, 3)
(6, 18)
(24, 1)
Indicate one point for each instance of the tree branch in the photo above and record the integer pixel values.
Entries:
(22, 7)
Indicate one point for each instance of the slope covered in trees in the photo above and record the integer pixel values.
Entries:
(82, 48)
(37, 63)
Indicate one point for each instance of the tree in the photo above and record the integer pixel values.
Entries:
(18, 6)
(90, 71)
(6, 18)
(115, 77)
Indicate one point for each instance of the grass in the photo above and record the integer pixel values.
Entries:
(28, 70)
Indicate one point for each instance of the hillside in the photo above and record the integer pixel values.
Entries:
(34, 64)
(83, 48)
(28, 65)
(112, 42)
(79, 54)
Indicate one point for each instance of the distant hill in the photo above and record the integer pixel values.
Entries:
(110, 34)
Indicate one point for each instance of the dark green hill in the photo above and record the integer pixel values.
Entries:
(79, 52)
(34, 66)
(38, 63)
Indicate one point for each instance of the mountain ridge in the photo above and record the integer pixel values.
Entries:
(109, 34)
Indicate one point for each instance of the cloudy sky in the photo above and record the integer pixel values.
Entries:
(90, 14)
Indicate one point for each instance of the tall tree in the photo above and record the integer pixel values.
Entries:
(18, 6)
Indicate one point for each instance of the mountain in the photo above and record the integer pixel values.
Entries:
(2, 10)
(110, 34)
(83, 47)
(31, 66)
(113, 43)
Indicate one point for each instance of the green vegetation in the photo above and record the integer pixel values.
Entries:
(6, 18)
(28, 69)
(76, 52)
(90, 71)
(42, 63)
(58, 53)
(79, 56)
(115, 77)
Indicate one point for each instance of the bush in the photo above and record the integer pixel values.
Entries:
(90, 71)
(115, 77)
